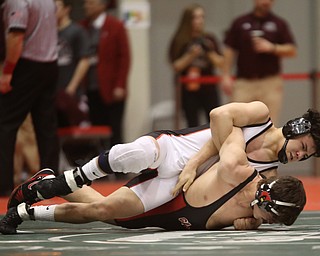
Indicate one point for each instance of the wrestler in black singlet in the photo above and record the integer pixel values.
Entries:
(178, 214)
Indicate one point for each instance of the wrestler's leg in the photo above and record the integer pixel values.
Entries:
(129, 157)
(142, 193)
(149, 193)
(120, 204)
(84, 195)
(153, 192)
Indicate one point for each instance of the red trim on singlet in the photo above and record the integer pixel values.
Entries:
(171, 206)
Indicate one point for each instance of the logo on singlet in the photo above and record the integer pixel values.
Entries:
(185, 222)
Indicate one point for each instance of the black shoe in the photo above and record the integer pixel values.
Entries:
(26, 192)
(10, 222)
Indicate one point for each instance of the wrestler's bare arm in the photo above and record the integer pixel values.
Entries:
(233, 167)
(222, 119)
(189, 172)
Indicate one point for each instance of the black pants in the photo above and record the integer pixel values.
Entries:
(33, 88)
(193, 102)
(101, 113)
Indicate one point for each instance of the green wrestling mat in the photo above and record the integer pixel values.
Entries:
(55, 239)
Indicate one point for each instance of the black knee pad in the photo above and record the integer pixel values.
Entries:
(103, 161)
(49, 188)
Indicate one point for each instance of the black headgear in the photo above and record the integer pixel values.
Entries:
(263, 199)
(292, 129)
(296, 127)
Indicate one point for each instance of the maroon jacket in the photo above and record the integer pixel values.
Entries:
(2, 37)
(114, 57)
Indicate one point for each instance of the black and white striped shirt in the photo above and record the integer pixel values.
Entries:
(37, 18)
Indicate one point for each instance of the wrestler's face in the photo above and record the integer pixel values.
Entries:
(300, 148)
(264, 216)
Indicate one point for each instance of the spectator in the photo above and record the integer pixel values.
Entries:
(259, 39)
(27, 83)
(73, 63)
(194, 53)
(2, 39)
(26, 156)
(109, 67)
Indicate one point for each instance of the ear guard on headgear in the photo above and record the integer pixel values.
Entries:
(292, 129)
(296, 127)
(265, 202)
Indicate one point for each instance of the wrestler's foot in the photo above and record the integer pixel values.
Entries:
(26, 192)
(10, 222)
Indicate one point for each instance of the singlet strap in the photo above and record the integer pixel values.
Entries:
(265, 126)
(222, 200)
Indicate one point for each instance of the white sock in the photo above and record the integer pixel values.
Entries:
(44, 213)
(92, 170)
(22, 211)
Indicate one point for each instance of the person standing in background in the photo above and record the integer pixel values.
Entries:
(109, 67)
(257, 41)
(73, 63)
(27, 83)
(195, 53)
(2, 38)
(26, 156)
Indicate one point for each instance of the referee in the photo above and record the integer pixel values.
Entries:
(27, 82)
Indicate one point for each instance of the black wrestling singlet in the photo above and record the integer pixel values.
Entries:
(179, 215)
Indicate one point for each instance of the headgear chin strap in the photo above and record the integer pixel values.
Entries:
(282, 156)
(290, 130)
(265, 202)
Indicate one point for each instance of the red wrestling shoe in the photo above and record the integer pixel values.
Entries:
(25, 193)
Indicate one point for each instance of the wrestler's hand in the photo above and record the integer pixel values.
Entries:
(186, 178)
(247, 223)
